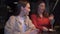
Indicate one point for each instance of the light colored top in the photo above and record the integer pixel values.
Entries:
(14, 25)
(22, 19)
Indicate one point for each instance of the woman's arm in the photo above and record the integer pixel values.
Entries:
(9, 25)
(32, 28)
(52, 20)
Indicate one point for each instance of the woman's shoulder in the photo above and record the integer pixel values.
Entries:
(12, 17)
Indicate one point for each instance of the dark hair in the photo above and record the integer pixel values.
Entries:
(45, 13)
(18, 7)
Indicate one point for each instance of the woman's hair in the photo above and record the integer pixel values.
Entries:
(45, 13)
(18, 7)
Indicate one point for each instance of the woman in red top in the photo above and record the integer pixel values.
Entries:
(41, 19)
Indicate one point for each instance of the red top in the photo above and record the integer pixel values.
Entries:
(40, 22)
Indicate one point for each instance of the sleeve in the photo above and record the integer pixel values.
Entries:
(30, 24)
(51, 23)
(34, 21)
(32, 28)
(9, 25)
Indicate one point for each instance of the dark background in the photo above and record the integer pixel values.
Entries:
(7, 8)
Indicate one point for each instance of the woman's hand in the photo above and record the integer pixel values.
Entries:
(51, 17)
(45, 29)
(51, 30)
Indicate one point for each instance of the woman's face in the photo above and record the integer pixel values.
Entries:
(41, 7)
(26, 9)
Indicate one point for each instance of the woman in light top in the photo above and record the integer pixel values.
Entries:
(20, 22)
